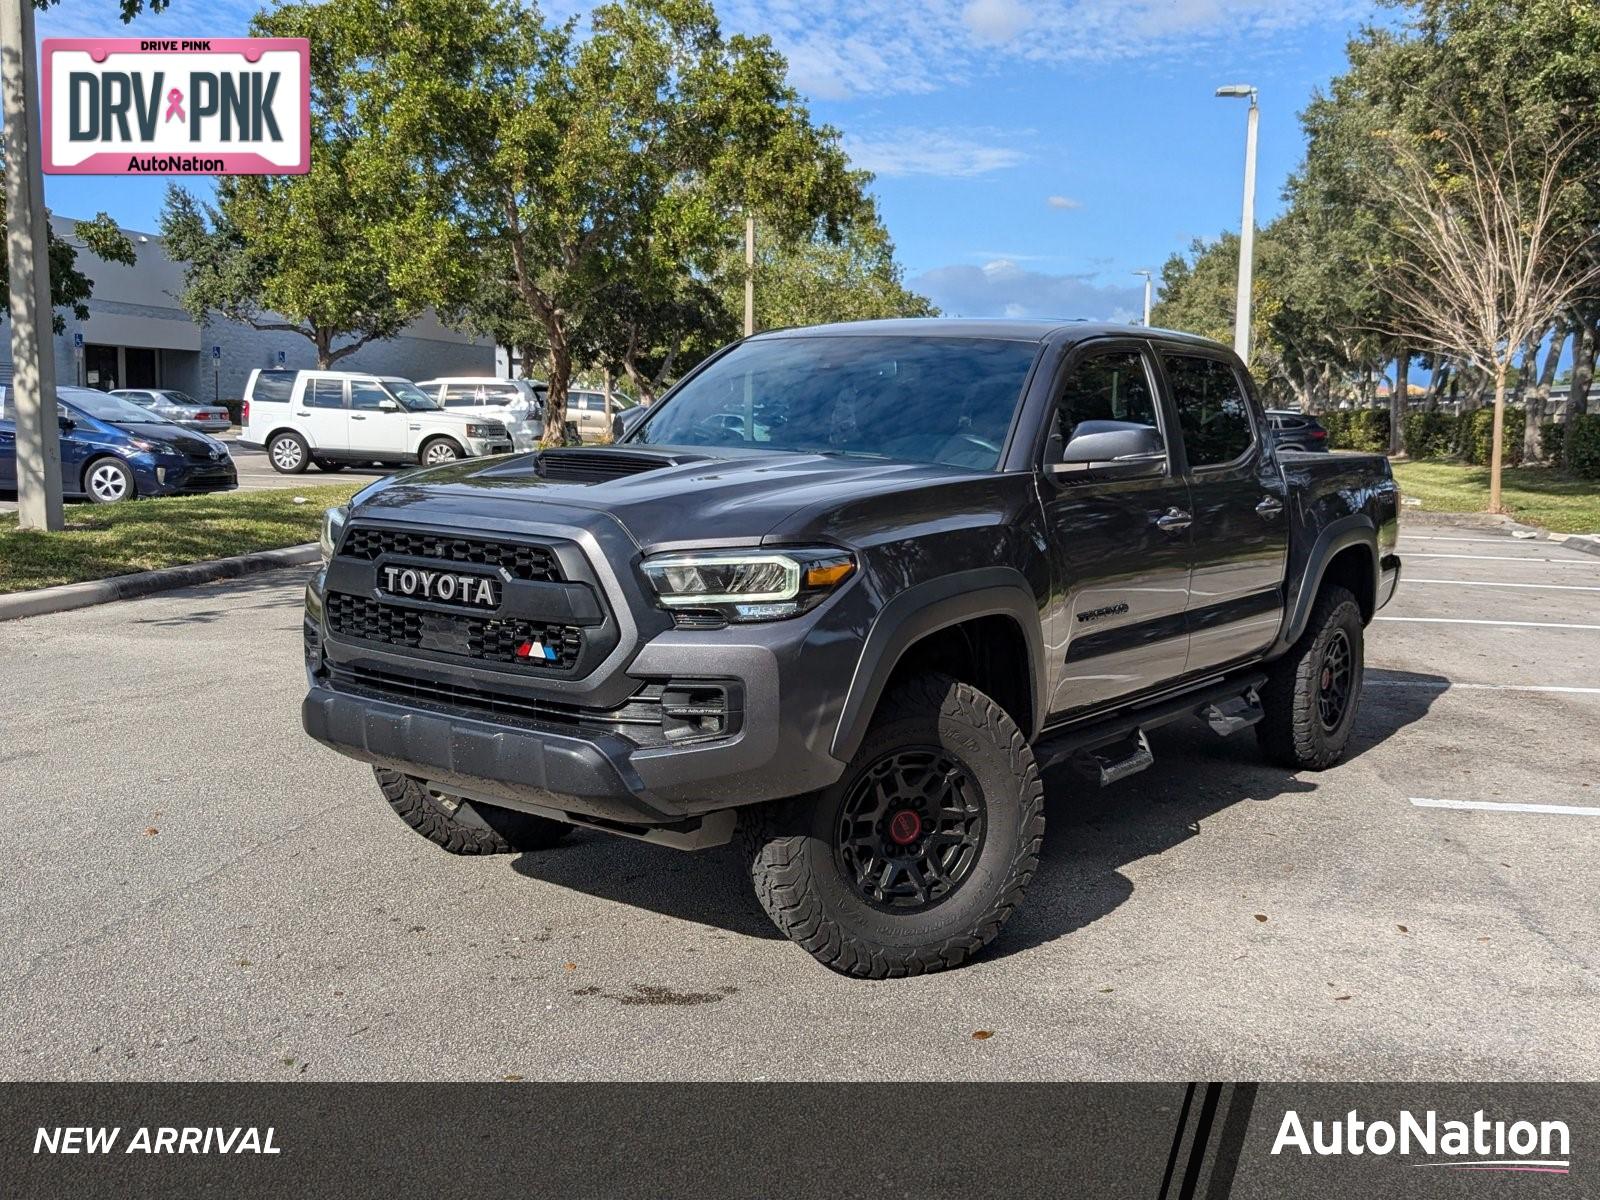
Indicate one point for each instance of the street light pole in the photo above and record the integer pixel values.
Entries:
(1247, 227)
(749, 274)
(1146, 275)
(33, 363)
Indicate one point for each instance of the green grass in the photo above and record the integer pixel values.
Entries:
(1535, 495)
(115, 539)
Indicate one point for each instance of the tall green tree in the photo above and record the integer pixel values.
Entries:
(597, 179)
(346, 254)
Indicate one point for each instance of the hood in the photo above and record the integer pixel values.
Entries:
(189, 442)
(667, 497)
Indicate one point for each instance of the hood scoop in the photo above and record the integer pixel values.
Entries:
(598, 464)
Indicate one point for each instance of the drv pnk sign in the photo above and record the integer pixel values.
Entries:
(194, 106)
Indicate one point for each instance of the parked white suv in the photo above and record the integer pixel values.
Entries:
(516, 403)
(332, 418)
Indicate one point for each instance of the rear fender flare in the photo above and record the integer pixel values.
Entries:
(1356, 529)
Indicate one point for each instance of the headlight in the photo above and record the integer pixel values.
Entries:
(149, 447)
(332, 526)
(748, 585)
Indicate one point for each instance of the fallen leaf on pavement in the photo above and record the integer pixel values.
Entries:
(1261, 916)
(151, 832)
(979, 1035)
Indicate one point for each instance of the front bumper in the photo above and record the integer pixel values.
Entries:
(480, 447)
(170, 475)
(552, 746)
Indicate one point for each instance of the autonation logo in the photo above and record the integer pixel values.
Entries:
(1476, 1145)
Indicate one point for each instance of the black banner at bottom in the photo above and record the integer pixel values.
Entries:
(795, 1141)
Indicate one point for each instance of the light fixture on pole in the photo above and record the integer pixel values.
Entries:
(1247, 227)
(1146, 275)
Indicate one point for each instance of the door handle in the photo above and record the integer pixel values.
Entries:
(1269, 507)
(357, 417)
(1174, 520)
(302, 412)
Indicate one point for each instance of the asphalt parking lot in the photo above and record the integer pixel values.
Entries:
(194, 890)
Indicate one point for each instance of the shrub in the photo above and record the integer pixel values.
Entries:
(1477, 436)
(1364, 429)
(1552, 439)
(1584, 461)
(1431, 434)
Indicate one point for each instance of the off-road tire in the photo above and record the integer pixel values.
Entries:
(466, 828)
(801, 884)
(1292, 733)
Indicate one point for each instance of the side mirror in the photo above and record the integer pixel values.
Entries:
(1112, 447)
(65, 421)
(387, 405)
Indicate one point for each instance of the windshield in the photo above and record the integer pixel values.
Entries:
(411, 397)
(109, 408)
(942, 400)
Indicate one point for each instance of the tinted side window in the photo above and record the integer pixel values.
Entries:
(462, 395)
(273, 386)
(325, 393)
(1212, 410)
(1107, 387)
(366, 395)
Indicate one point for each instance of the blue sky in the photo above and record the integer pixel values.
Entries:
(1030, 154)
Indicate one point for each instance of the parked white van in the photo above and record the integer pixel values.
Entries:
(332, 418)
(516, 403)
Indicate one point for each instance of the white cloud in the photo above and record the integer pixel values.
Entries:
(899, 152)
(1003, 287)
(843, 48)
(1066, 203)
(995, 21)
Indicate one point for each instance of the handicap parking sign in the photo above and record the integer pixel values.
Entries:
(216, 354)
(77, 341)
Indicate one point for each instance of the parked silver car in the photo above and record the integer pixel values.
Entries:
(179, 407)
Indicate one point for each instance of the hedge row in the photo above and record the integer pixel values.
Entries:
(1467, 437)
(1364, 429)
(1585, 460)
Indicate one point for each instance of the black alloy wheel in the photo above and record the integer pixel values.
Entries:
(911, 829)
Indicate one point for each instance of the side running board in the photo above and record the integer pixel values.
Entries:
(1116, 747)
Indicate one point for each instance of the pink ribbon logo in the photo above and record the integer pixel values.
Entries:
(175, 105)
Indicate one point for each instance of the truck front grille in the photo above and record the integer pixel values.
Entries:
(522, 561)
(546, 647)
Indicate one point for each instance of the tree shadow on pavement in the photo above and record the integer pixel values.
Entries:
(1091, 834)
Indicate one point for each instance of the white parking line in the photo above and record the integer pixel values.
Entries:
(1548, 587)
(1563, 810)
(1504, 540)
(1451, 686)
(1562, 562)
(1479, 621)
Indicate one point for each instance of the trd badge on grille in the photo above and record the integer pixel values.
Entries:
(446, 587)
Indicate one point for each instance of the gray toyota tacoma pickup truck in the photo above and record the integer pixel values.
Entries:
(843, 593)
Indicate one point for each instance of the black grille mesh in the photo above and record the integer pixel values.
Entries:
(485, 638)
(524, 562)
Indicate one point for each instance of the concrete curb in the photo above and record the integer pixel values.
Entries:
(144, 583)
(1588, 543)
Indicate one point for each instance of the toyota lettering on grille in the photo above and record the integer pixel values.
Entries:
(445, 587)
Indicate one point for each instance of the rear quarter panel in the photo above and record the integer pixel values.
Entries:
(1333, 498)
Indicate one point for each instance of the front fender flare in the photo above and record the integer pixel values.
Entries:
(927, 608)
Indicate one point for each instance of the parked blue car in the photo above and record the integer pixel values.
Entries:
(112, 450)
